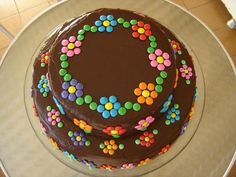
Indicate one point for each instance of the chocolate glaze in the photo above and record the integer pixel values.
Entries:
(116, 65)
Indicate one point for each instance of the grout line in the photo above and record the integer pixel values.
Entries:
(18, 13)
(199, 5)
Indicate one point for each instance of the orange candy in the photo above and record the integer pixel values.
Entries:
(149, 101)
(105, 150)
(142, 85)
(151, 87)
(141, 99)
(137, 91)
(154, 94)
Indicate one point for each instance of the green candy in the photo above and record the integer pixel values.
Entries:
(86, 27)
(62, 72)
(153, 44)
(64, 64)
(63, 57)
(102, 146)
(137, 141)
(150, 50)
(152, 38)
(93, 29)
(43, 65)
(81, 31)
(183, 62)
(93, 106)
(163, 74)
(136, 107)
(122, 111)
(167, 122)
(70, 133)
(128, 105)
(67, 77)
(158, 88)
(176, 106)
(133, 22)
(159, 80)
(60, 124)
(121, 146)
(120, 20)
(87, 143)
(187, 82)
(88, 99)
(80, 37)
(45, 94)
(43, 77)
(48, 108)
(155, 131)
(79, 101)
(126, 24)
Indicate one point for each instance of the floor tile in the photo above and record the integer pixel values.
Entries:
(26, 4)
(12, 23)
(7, 8)
(228, 38)
(216, 16)
(51, 2)
(179, 2)
(27, 15)
(194, 3)
(4, 40)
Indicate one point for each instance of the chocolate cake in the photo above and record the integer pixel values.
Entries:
(113, 88)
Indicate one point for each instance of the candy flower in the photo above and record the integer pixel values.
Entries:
(141, 30)
(164, 149)
(43, 86)
(143, 162)
(146, 139)
(115, 132)
(88, 163)
(127, 166)
(173, 115)
(54, 117)
(108, 107)
(144, 123)
(70, 156)
(106, 23)
(176, 46)
(44, 59)
(145, 93)
(71, 47)
(110, 146)
(107, 167)
(159, 59)
(72, 90)
(186, 71)
(79, 138)
(190, 114)
(83, 125)
(35, 112)
(167, 103)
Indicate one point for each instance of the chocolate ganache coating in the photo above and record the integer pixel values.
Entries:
(117, 88)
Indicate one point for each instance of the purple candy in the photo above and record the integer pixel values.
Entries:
(84, 139)
(64, 94)
(65, 85)
(79, 93)
(73, 82)
(81, 143)
(76, 143)
(72, 138)
(79, 86)
(72, 97)
(76, 133)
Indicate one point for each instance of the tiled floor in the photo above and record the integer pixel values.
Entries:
(14, 14)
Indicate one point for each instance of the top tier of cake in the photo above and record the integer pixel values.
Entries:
(122, 82)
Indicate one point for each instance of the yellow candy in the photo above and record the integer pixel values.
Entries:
(108, 106)
(71, 46)
(174, 46)
(109, 146)
(146, 139)
(46, 57)
(72, 89)
(146, 93)
(106, 23)
(78, 138)
(160, 59)
(145, 124)
(186, 71)
(141, 31)
(172, 115)
(114, 132)
(54, 116)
